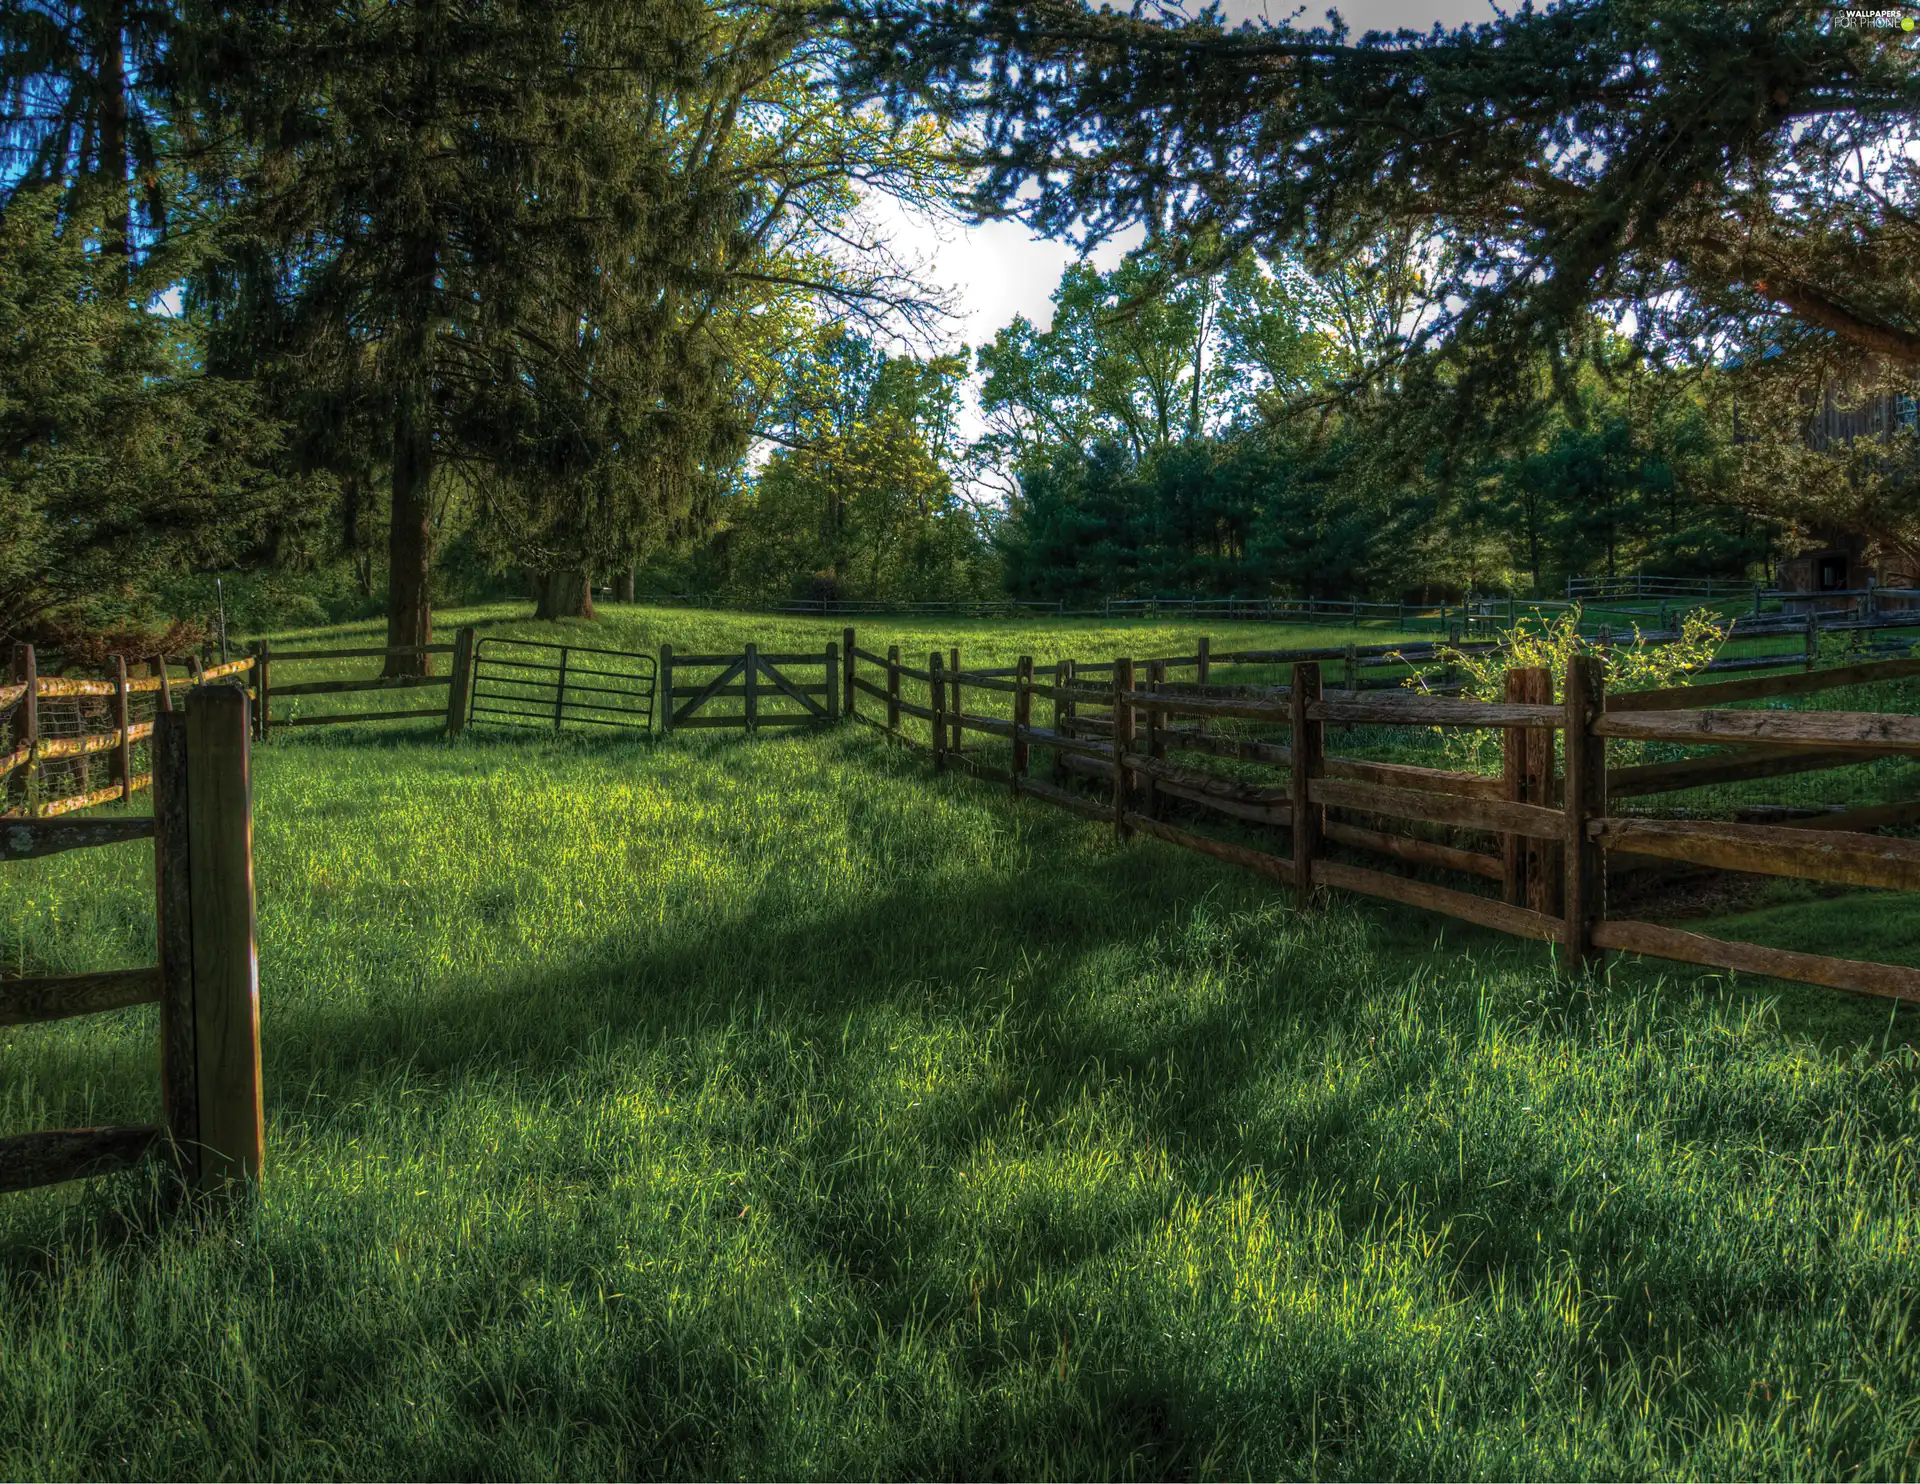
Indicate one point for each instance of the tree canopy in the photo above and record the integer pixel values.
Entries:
(1725, 169)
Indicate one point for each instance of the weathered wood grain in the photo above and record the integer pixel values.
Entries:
(1736, 767)
(1407, 775)
(1495, 815)
(1414, 852)
(111, 794)
(1309, 742)
(29, 1160)
(1584, 794)
(1862, 730)
(1522, 922)
(1123, 735)
(226, 971)
(173, 903)
(1843, 856)
(1892, 981)
(1389, 709)
(1275, 709)
(24, 839)
(28, 1001)
(1193, 739)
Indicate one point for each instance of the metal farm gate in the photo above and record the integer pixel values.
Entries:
(523, 682)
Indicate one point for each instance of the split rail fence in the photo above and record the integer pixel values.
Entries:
(205, 980)
(1535, 845)
(60, 733)
(267, 689)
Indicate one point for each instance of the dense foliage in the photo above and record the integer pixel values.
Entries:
(1283, 487)
(384, 304)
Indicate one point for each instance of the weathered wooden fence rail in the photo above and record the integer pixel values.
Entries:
(1544, 838)
(206, 980)
(451, 712)
(53, 727)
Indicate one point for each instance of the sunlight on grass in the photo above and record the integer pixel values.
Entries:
(776, 1108)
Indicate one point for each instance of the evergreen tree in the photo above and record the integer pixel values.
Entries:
(83, 104)
(122, 465)
(1715, 165)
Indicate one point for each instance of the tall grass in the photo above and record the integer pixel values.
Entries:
(774, 1108)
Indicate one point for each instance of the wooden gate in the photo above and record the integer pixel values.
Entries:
(523, 682)
(748, 681)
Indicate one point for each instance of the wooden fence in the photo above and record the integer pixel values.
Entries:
(753, 680)
(55, 729)
(451, 712)
(1544, 839)
(206, 980)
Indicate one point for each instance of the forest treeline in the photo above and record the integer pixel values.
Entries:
(380, 306)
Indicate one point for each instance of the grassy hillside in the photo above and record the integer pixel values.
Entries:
(774, 1108)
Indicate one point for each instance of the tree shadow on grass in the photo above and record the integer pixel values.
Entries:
(1072, 991)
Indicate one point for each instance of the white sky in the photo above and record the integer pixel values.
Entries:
(1000, 269)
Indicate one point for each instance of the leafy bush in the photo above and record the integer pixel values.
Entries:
(1551, 644)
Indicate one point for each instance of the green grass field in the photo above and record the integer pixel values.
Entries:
(772, 1107)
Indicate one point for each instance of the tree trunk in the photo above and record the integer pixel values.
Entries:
(567, 594)
(410, 538)
(623, 584)
(111, 168)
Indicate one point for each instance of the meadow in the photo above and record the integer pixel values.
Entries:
(771, 1106)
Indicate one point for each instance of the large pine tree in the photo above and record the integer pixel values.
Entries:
(423, 194)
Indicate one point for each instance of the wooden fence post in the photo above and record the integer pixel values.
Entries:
(1585, 786)
(1308, 744)
(959, 742)
(1545, 865)
(847, 687)
(1513, 785)
(664, 701)
(833, 683)
(196, 672)
(1527, 778)
(210, 969)
(1156, 739)
(27, 730)
(166, 684)
(460, 682)
(893, 689)
(750, 676)
(120, 765)
(1202, 669)
(1122, 747)
(179, 1059)
(936, 703)
(262, 663)
(1022, 718)
(1063, 712)
(1813, 635)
